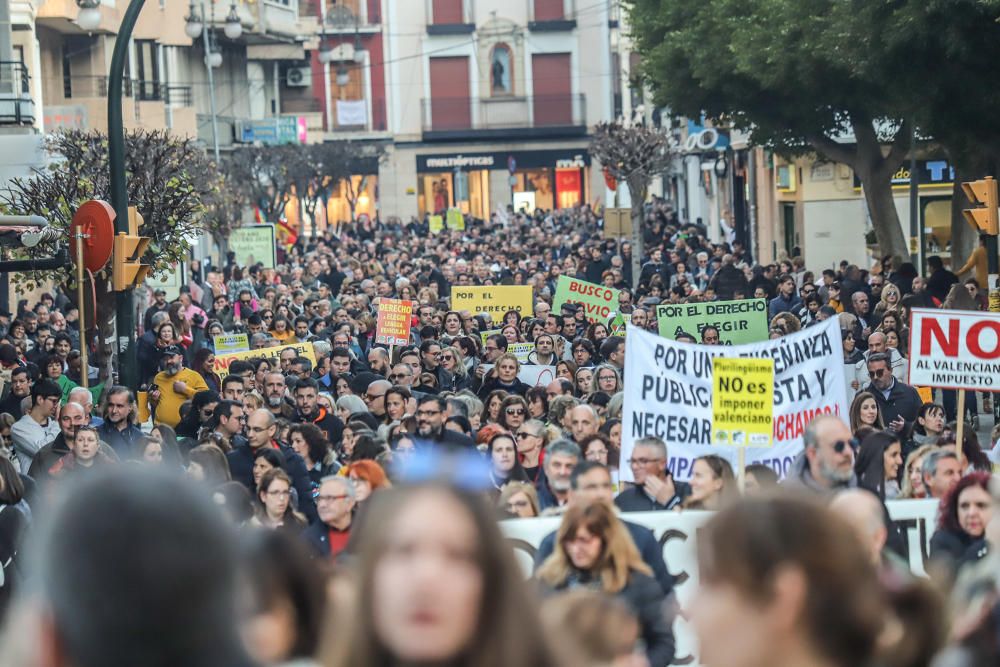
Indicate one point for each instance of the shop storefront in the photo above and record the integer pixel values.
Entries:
(545, 179)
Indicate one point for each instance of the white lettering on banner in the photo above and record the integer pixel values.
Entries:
(461, 161)
(954, 349)
(668, 394)
(677, 533)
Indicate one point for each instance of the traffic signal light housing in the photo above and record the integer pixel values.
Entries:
(127, 268)
(986, 220)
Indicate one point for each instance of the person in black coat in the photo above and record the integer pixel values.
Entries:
(504, 376)
(592, 545)
(898, 403)
(432, 412)
(261, 428)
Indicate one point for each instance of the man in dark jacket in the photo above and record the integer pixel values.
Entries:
(898, 403)
(591, 480)
(118, 429)
(729, 281)
(787, 300)
(941, 279)
(655, 488)
(331, 534)
(309, 411)
(431, 411)
(261, 427)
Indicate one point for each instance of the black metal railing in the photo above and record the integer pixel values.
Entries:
(178, 96)
(16, 105)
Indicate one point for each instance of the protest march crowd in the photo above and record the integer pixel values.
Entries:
(324, 462)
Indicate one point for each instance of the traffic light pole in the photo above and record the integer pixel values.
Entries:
(125, 305)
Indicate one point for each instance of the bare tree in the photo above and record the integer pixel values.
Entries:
(634, 155)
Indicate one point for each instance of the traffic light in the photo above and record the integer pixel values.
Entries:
(986, 220)
(127, 268)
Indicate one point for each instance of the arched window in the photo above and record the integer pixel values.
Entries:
(501, 70)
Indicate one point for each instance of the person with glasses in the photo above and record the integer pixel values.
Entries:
(654, 486)
(513, 413)
(335, 503)
(606, 379)
(826, 463)
(199, 415)
(431, 417)
(452, 374)
(274, 508)
(898, 403)
(401, 375)
(518, 500)
(38, 426)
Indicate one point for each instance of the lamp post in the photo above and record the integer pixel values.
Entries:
(125, 303)
(89, 16)
(195, 27)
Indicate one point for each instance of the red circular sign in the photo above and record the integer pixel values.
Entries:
(96, 220)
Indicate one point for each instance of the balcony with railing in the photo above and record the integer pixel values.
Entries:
(149, 104)
(16, 104)
(453, 118)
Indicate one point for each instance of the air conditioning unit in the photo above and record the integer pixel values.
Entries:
(298, 77)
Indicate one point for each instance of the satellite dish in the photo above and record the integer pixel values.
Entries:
(708, 139)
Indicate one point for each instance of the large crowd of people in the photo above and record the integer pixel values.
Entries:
(357, 485)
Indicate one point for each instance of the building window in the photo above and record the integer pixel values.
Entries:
(501, 70)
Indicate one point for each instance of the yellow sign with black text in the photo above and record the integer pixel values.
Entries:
(492, 300)
(743, 402)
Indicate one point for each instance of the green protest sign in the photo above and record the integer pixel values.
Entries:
(741, 321)
(598, 301)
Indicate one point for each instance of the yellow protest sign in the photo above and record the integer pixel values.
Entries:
(222, 361)
(455, 220)
(492, 300)
(742, 402)
(435, 223)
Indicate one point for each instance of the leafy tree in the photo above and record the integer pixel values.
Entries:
(167, 181)
(633, 154)
(798, 75)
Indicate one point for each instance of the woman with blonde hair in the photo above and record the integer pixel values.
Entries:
(889, 301)
(453, 374)
(595, 551)
(713, 485)
(606, 379)
(913, 476)
(518, 500)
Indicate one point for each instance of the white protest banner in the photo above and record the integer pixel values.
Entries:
(668, 393)
(678, 533)
(532, 375)
(954, 349)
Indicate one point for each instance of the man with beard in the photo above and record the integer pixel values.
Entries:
(826, 464)
(118, 429)
(274, 396)
(655, 488)
(431, 416)
(173, 385)
(309, 411)
(553, 486)
(261, 430)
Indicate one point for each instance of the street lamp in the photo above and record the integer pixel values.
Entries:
(193, 23)
(325, 51)
(234, 27)
(358, 57)
(343, 78)
(89, 16)
(213, 59)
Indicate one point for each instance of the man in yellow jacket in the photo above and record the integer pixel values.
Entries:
(979, 263)
(172, 386)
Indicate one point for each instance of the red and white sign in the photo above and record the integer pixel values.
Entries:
(955, 349)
